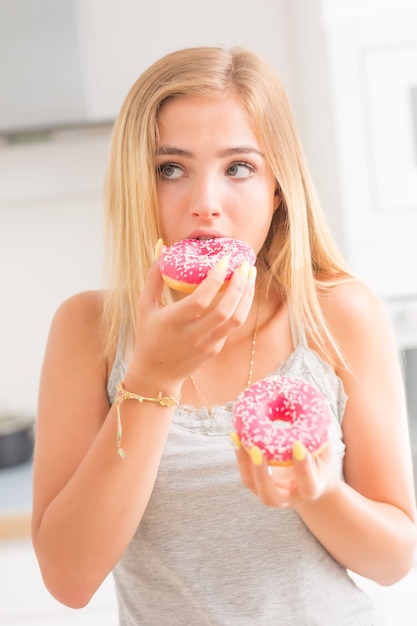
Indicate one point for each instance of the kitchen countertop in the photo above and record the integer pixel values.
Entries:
(15, 500)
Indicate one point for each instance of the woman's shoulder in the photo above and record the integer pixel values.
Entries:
(357, 317)
(75, 342)
(351, 301)
(79, 316)
(87, 304)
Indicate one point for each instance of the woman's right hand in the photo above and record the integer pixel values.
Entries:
(173, 340)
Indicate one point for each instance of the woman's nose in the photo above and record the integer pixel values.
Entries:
(205, 201)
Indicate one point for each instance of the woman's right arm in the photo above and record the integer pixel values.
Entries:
(87, 500)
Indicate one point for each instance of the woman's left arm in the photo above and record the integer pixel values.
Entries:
(368, 522)
(367, 519)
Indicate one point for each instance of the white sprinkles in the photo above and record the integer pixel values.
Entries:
(275, 412)
(189, 260)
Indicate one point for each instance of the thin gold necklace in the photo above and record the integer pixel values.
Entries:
(252, 360)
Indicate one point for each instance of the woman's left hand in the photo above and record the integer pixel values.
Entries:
(286, 486)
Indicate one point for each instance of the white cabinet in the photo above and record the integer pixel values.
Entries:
(357, 64)
(50, 247)
(373, 74)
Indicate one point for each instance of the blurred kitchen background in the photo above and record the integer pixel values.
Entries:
(350, 67)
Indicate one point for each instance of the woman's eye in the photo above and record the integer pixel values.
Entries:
(169, 171)
(240, 170)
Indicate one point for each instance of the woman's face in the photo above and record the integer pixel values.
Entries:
(212, 178)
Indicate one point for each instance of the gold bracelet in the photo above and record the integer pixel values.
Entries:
(123, 394)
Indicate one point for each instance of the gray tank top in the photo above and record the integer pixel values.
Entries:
(207, 552)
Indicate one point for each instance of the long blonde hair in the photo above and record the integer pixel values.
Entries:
(298, 257)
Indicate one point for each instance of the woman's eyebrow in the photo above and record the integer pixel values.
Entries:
(240, 150)
(171, 150)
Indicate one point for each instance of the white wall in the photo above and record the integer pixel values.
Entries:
(50, 247)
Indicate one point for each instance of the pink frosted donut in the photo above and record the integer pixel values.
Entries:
(275, 412)
(185, 264)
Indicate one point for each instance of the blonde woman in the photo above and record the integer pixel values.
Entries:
(198, 531)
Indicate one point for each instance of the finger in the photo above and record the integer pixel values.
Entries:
(159, 247)
(244, 463)
(269, 490)
(307, 480)
(228, 309)
(240, 291)
(204, 295)
(151, 293)
(257, 476)
(216, 283)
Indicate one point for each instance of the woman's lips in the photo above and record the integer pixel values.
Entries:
(199, 234)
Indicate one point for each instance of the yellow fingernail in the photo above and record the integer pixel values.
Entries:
(244, 269)
(157, 248)
(252, 274)
(256, 455)
(223, 264)
(298, 451)
(234, 438)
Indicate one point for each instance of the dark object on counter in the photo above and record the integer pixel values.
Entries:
(16, 440)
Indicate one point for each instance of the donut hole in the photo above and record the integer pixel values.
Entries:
(282, 412)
